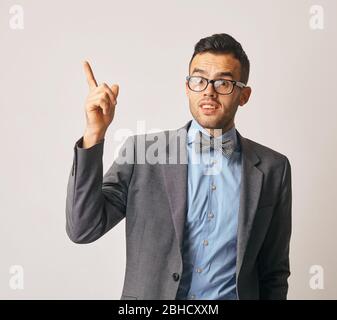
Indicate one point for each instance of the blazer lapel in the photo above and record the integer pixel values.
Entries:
(175, 179)
(251, 184)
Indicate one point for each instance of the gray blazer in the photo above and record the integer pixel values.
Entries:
(153, 200)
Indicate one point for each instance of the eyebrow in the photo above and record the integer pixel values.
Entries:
(221, 74)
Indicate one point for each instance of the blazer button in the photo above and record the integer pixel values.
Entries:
(175, 276)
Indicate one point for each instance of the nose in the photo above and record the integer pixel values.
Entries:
(209, 91)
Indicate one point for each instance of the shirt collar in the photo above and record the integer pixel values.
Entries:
(195, 127)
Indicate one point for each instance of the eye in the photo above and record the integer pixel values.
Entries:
(223, 83)
(197, 80)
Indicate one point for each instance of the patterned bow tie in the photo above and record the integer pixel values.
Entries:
(203, 143)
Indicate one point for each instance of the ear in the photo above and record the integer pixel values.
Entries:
(244, 96)
(186, 88)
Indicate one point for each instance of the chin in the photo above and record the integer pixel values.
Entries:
(211, 123)
(216, 121)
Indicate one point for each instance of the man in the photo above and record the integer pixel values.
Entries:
(215, 224)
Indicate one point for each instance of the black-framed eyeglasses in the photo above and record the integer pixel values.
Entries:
(221, 86)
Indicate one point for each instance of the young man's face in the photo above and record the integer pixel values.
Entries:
(211, 66)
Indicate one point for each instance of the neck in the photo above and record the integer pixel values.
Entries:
(218, 132)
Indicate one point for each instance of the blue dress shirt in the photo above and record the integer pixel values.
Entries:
(210, 231)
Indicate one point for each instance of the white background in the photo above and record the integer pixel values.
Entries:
(145, 47)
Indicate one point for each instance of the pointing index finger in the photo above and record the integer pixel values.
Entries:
(90, 75)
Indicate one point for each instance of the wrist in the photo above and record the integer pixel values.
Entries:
(90, 139)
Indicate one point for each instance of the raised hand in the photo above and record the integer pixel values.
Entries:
(99, 108)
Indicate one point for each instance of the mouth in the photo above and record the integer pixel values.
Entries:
(209, 108)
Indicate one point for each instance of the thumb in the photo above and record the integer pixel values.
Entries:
(115, 90)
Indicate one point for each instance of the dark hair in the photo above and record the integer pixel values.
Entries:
(224, 43)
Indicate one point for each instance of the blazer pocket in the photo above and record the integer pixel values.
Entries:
(127, 297)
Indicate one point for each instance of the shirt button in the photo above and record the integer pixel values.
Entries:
(198, 270)
(213, 187)
(193, 296)
(210, 215)
(205, 242)
(175, 276)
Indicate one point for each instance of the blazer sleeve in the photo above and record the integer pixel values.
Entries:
(96, 203)
(273, 260)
